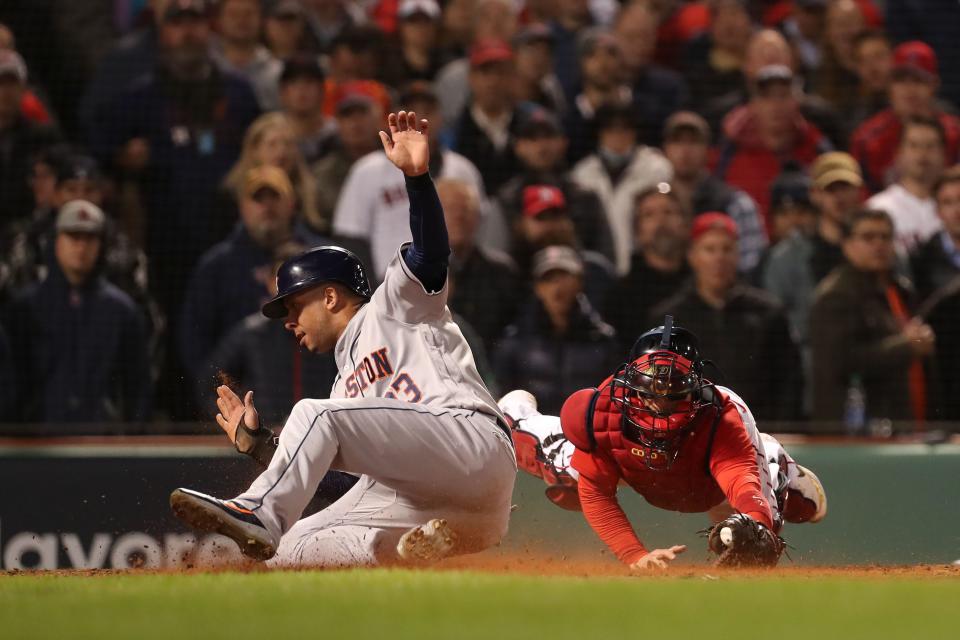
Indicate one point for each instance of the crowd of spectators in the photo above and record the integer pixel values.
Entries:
(780, 176)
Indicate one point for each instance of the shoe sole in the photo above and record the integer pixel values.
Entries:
(814, 482)
(204, 516)
(427, 543)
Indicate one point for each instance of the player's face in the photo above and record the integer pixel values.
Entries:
(870, 246)
(310, 321)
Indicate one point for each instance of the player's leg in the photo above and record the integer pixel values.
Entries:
(434, 458)
(799, 492)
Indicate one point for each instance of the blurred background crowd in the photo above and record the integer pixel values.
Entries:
(780, 176)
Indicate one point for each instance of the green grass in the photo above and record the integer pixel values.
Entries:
(391, 604)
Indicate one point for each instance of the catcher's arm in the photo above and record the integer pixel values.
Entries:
(741, 541)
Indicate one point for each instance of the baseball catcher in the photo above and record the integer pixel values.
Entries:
(682, 442)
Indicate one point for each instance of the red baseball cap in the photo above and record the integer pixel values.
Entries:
(538, 198)
(490, 50)
(713, 221)
(917, 58)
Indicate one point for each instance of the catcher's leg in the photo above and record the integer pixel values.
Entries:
(800, 493)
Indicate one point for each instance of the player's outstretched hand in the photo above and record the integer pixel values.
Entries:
(407, 144)
(658, 559)
(232, 409)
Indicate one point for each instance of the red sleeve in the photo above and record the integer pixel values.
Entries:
(734, 463)
(597, 487)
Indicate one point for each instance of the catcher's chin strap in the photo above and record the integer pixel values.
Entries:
(260, 443)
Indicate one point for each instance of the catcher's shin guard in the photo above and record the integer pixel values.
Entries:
(804, 500)
(206, 513)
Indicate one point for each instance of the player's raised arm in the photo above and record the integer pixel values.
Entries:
(407, 146)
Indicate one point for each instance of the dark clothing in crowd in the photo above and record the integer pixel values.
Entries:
(496, 165)
(487, 289)
(194, 131)
(657, 92)
(749, 339)
(231, 281)
(933, 267)
(8, 381)
(631, 299)
(532, 356)
(942, 312)
(18, 144)
(80, 352)
(259, 354)
(853, 332)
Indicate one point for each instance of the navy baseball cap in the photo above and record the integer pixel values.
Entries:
(314, 268)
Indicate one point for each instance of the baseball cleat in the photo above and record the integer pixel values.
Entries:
(206, 513)
(518, 405)
(809, 485)
(427, 543)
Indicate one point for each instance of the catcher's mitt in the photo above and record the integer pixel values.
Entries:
(259, 443)
(741, 541)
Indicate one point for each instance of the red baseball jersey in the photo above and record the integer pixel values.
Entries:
(720, 458)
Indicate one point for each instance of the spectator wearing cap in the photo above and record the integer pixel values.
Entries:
(765, 48)
(353, 66)
(373, 204)
(617, 171)
(835, 78)
(873, 62)
(546, 221)
(79, 344)
(540, 146)
(465, 24)
(799, 262)
(259, 354)
(909, 201)
(173, 136)
(414, 54)
(271, 141)
(712, 61)
(237, 49)
(658, 266)
(231, 279)
(285, 31)
(536, 81)
(686, 144)
(862, 326)
(569, 20)
(937, 261)
(485, 128)
(356, 123)
(912, 93)
(601, 73)
(558, 343)
(940, 28)
(657, 91)
(739, 326)
(760, 137)
(791, 210)
(301, 100)
(486, 286)
(20, 139)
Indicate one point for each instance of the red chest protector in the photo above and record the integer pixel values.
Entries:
(594, 424)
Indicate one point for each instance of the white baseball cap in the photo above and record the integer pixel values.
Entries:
(429, 8)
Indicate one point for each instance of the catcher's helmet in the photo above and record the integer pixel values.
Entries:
(313, 268)
(660, 390)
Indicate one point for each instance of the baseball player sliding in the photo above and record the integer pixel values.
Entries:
(680, 441)
(408, 411)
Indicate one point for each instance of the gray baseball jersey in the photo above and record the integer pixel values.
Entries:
(410, 414)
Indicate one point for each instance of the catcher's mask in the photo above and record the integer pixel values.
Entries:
(659, 391)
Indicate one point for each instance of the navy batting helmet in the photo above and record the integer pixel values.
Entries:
(311, 269)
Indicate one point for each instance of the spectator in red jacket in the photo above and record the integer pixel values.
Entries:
(766, 133)
(914, 83)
